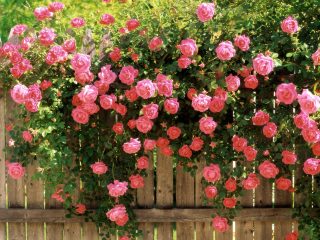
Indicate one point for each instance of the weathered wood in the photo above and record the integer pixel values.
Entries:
(90, 231)
(2, 162)
(54, 231)
(164, 193)
(72, 231)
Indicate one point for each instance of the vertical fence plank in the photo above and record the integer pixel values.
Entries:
(184, 198)
(54, 231)
(164, 194)
(90, 231)
(145, 199)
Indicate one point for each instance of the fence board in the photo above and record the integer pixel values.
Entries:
(2, 163)
(90, 231)
(164, 193)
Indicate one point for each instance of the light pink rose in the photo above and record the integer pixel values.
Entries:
(242, 42)
(260, 118)
(107, 19)
(171, 105)
(286, 93)
(99, 168)
(217, 104)
(46, 36)
(184, 62)
(311, 135)
(136, 181)
(26, 43)
(19, 29)
(34, 92)
(145, 88)
(188, 47)
(70, 45)
(251, 182)
(56, 6)
(88, 94)
(225, 51)
(173, 132)
(196, 144)
(207, 125)
(164, 85)
(150, 110)
(144, 124)
(19, 93)
(308, 102)
(42, 13)
(251, 82)
(201, 102)
(312, 166)
(211, 192)
(233, 83)
(132, 24)
(289, 25)
(316, 57)
(283, 183)
(185, 151)
(250, 153)
(263, 64)
(27, 136)
(268, 169)
(15, 170)
(115, 55)
(149, 144)
(118, 214)
(220, 224)
(56, 55)
(142, 162)
(107, 101)
(288, 157)
(80, 208)
(205, 11)
(301, 120)
(239, 143)
(155, 44)
(128, 74)
(77, 22)
(80, 115)
(212, 172)
(117, 188)
(133, 146)
(107, 75)
(81, 62)
(131, 94)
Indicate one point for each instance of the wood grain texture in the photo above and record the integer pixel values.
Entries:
(90, 231)
(54, 231)
(2, 163)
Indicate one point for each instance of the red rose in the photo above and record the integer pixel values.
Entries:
(229, 202)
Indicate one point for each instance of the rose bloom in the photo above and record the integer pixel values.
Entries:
(233, 83)
(131, 147)
(56, 55)
(26, 43)
(42, 13)
(301, 120)
(19, 93)
(84, 77)
(80, 116)
(77, 22)
(150, 111)
(242, 42)
(99, 168)
(115, 55)
(201, 102)
(260, 118)
(128, 74)
(245, 71)
(191, 93)
(142, 162)
(118, 128)
(124, 238)
(263, 64)
(283, 183)
(27, 136)
(308, 102)
(118, 214)
(220, 224)
(131, 94)
(188, 47)
(225, 51)
(316, 57)
(311, 166)
(164, 85)
(171, 105)
(250, 153)
(184, 62)
(149, 144)
(205, 11)
(316, 149)
(251, 82)
(269, 130)
(107, 101)
(145, 88)
(166, 151)
(88, 94)
(268, 169)
(311, 135)
(55, 6)
(81, 62)
(69, 45)
(207, 125)
(57, 195)
(212, 172)
(162, 142)
(196, 144)
(216, 105)
(107, 75)
(90, 108)
(229, 202)
(185, 151)
(107, 19)
(47, 36)
(173, 132)
(31, 105)
(251, 182)
(239, 143)
(117, 188)
(80, 208)
(231, 185)
(292, 236)
(132, 24)
(136, 181)
(289, 25)
(15, 170)
(286, 93)
(144, 124)
(211, 192)
(131, 124)
(155, 44)
(288, 157)
(19, 29)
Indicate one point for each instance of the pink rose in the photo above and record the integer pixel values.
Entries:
(188, 47)
(167, 151)
(288, 157)
(173, 132)
(81, 62)
(107, 101)
(142, 162)
(131, 123)
(149, 144)
(145, 88)
(27, 136)
(316, 57)
(107, 19)
(185, 151)
(115, 55)
(150, 111)
(220, 224)
(308, 102)
(42, 13)
(251, 82)
(231, 185)
(250, 153)
(184, 62)
(260, 118)
(162, 142)
(311, 135)
(268, 169)
(107, 75)
(56, 55)
(118, 214)
(221, 93)
(47, 36)
(144, 124)
(286, 93)
(70, 45)
(269, 130)
(118, 128)
(216, 105)
(80, 116)
(124, 238)
(316, 149)
(229, 202)
(77, 22)
(55, 6)
(84, 77)
(207, 125)
(225, 51)
(289, 25)
(205, 11)
(251, 182)
(34, 92)
(136, 181)
(15, 170)
(131, 147)
(311, 166)
(155, 44)
(164, 85)
(201, 102)
(88, 94)
(196, 144)
(120, 108)
(99, 168)
(283, 183)
(19, 93)
(242, 42)
(239, 143)
(19, 29)
(263, 64)
(245, 71)
(302, 120)
(233, 83)
(80, 208)
(131, 94)
(132, 24)
(90, 108)
(292, 236)
(31, 105)
(128, 74)
(212, 172)
(117, 188)
(171, 105)
(191, 93)
(211, 192)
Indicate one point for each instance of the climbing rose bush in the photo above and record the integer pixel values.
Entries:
(94, 110)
